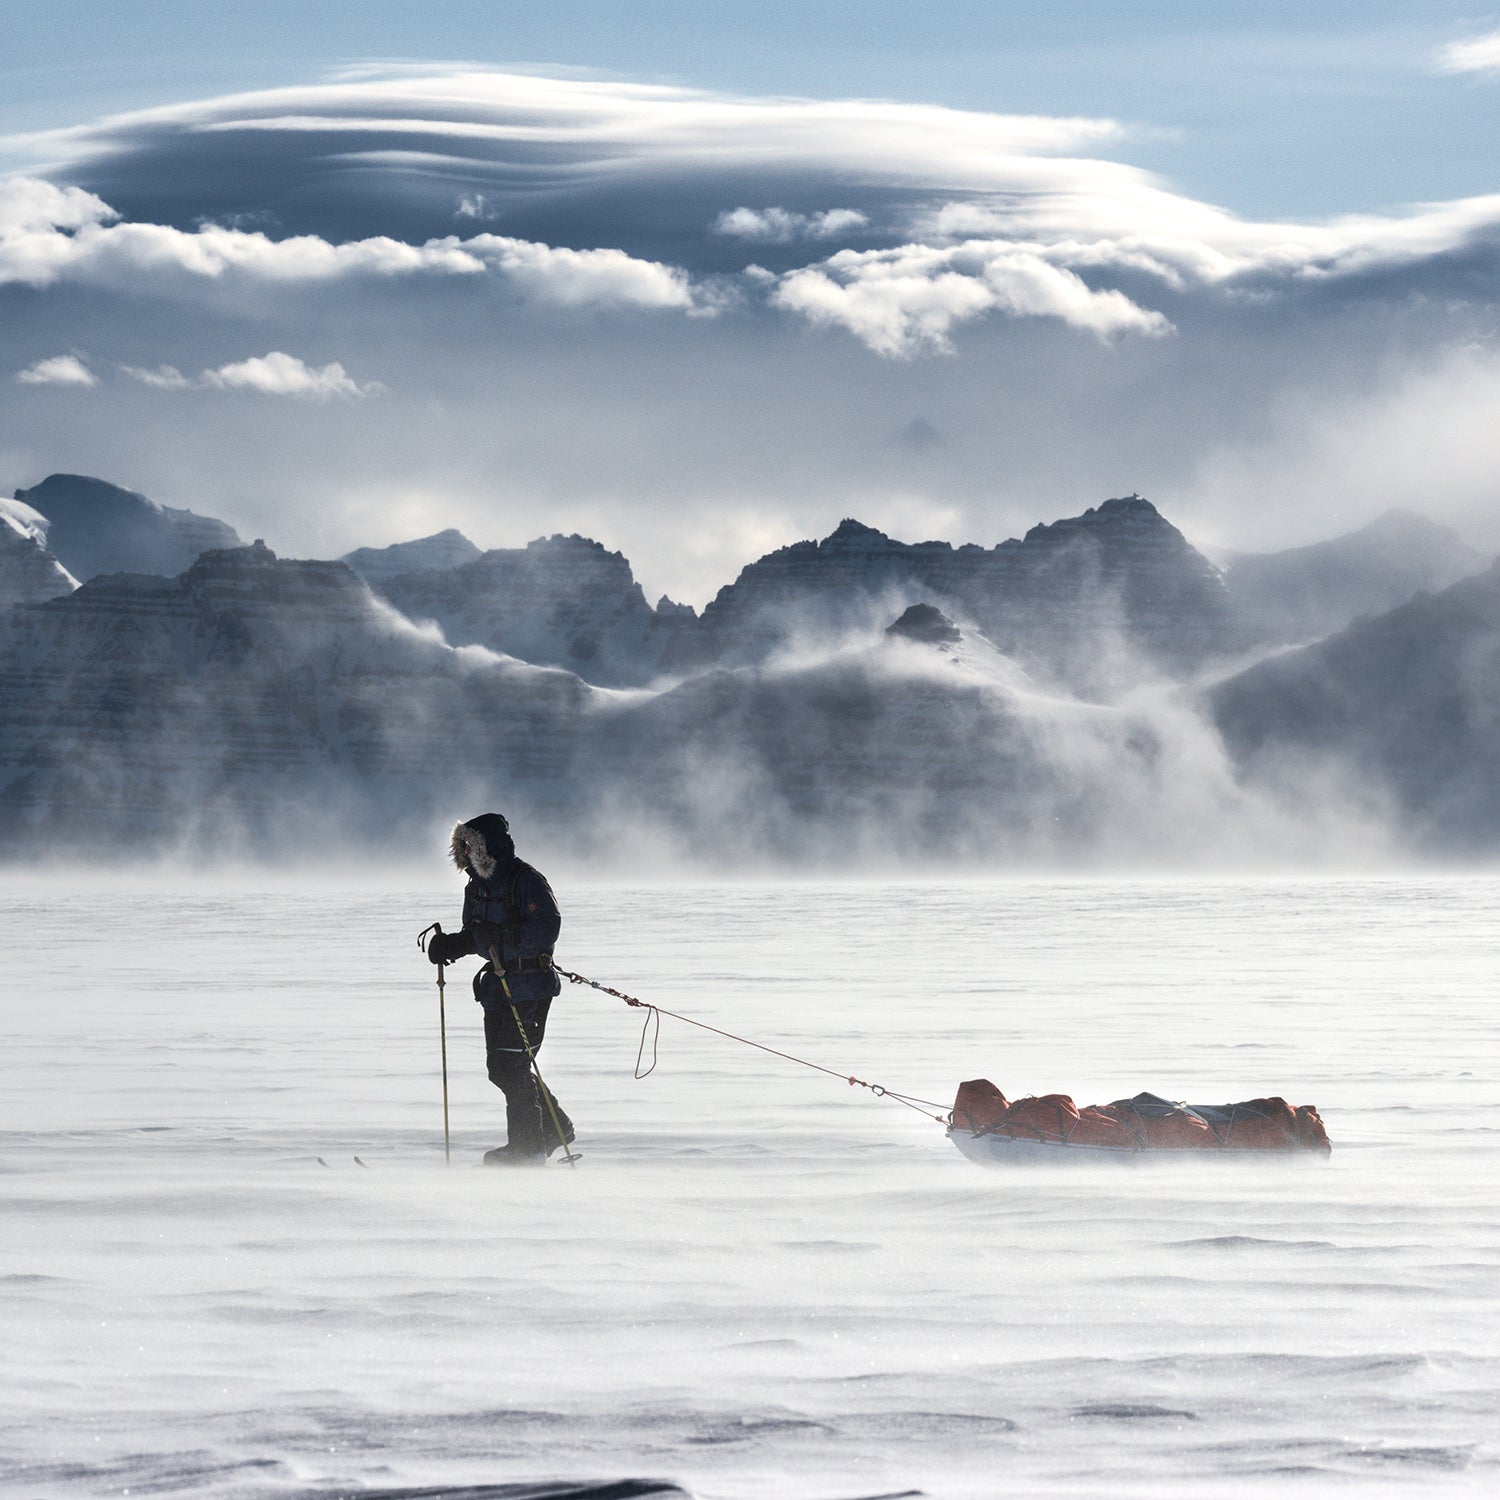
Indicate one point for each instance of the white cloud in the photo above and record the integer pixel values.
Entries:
(1084, 223)
(621, 128)
(1479, 54)
(49, 235)
(577, 278)
(1025, 223)
(902, 300)
(473, 206)
(163, 378)
(780, 226)
(278, 374)
(61, 369)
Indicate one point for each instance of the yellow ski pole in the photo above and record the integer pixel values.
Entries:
(546, 1093)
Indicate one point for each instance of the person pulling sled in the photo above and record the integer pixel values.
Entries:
(510, 920)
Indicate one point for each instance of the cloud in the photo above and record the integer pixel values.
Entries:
(277, 374)
(1478, 54)
(611, 194)
(579, 278)
(163, 378)
(61, 369)
(910, 298)
(321, 223)
(780, 226)
(49, 235)
(1183, 243)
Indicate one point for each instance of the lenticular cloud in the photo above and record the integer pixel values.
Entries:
(894, 223)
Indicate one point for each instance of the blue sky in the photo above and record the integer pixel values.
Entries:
(1273, 108)
(701, 278)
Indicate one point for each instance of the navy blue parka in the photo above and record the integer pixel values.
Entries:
(510, 914)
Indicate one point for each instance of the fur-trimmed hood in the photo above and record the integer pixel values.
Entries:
(482, 845)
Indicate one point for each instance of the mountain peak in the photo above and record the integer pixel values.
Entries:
(97, 527)
(850, 530)
(927, 625)
(1125, 505)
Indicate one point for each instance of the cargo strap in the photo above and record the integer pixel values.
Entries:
(653, 1027)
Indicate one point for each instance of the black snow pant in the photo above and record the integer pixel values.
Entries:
(528, 1122)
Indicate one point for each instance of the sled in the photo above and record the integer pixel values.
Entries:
(987, 1127)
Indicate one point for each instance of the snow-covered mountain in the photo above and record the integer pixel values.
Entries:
(256, 700)
(911, 746)
(1306, 592)
(280, 705)
(28, 571)
(562, 601)
(1402, 708)
(444, 549)
(849, 697)
(95, 527)
(1091, 600)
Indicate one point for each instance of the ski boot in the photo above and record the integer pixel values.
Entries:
(515, 1154)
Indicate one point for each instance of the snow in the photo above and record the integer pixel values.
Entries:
(24, 520)
(758, 1281)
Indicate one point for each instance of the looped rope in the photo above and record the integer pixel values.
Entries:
(656, 1012)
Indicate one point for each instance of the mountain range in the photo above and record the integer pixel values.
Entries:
(1083, 690)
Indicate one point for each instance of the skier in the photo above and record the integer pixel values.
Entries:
(511, 920)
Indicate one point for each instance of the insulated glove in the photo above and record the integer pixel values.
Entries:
(444, 947)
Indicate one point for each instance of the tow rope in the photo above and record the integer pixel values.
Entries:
(652, 1027)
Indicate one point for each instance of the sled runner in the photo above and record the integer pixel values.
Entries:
(988, 1127)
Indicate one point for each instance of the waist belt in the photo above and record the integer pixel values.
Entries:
(538, 965)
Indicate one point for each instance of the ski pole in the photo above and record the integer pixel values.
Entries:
(541, 1085)
(546, 1093)
(443, 1035)
(437, 927)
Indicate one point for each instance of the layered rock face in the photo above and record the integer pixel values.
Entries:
(254, 700)
(95, 527)
(918, 748)
(1401, 708)
(941, 702)
(28, 571)
(1307, 592)
(1076, 599)
(562, 601)
(257, 706)
(444, 549)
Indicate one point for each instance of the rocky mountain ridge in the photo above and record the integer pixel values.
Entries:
(849, 697)
(1401, 707)
(1070, 598)
(95, 527)
(1302, 593)
(563, 601)
(443, 549)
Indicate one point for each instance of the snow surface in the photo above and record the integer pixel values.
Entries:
(758, 1281)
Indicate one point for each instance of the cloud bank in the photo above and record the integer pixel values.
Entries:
(946, 214)
(698, 325)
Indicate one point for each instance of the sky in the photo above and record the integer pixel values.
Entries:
(699, 280)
